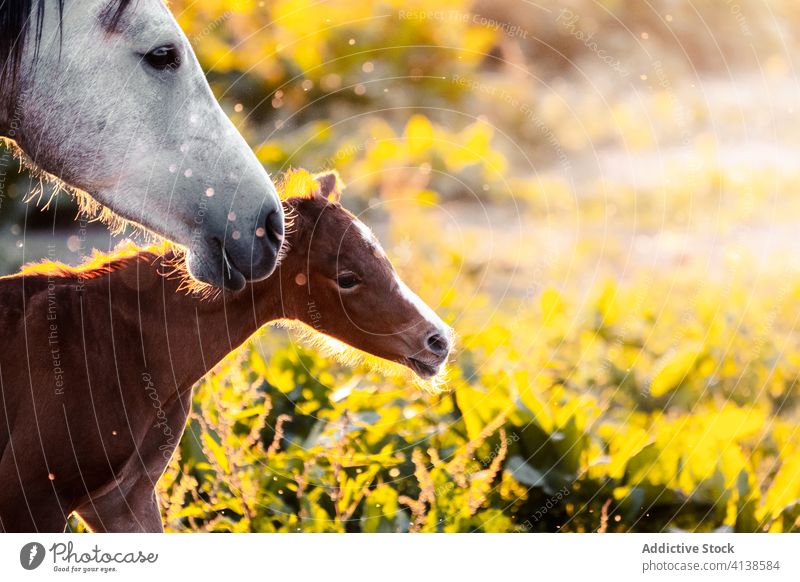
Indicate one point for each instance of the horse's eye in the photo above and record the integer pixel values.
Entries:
(347, 280)
(164, 57)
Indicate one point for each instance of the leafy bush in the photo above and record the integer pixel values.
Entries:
(600, 381)
(614, 417)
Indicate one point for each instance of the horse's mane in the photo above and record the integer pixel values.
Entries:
(100, 263)
(19, 18)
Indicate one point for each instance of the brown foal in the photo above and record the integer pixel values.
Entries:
(98, 363)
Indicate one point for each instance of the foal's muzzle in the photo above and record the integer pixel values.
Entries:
(428, 361)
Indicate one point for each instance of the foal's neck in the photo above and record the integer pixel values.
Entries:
(205, 330)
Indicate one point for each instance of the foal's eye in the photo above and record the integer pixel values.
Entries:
(164, 57)
(347, 280)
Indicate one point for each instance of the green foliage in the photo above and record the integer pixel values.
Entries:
(294, 442)
(662, 399)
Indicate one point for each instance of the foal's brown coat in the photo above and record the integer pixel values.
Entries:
(97, 365)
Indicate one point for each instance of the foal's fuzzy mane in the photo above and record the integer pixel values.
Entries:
(100, 263)
(170, 260)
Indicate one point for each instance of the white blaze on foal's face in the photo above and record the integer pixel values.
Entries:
(422, 322)
(407, 294)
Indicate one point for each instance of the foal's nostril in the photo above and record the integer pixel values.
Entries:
(274, 228)
(438, 344)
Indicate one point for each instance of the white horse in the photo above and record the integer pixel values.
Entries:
(107, 96)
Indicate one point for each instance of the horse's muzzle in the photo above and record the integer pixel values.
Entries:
(255, 257)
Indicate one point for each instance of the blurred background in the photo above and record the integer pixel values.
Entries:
(600, 196)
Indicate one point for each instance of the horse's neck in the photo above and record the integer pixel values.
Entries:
(6, 106)
(10, 112)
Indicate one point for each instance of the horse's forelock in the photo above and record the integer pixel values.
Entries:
(112, 14)
(21, 18)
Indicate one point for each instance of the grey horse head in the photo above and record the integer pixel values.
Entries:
(108, 97)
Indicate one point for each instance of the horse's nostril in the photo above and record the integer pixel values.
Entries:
(438, 344)
(274, 228)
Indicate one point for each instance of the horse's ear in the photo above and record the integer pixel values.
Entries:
(330, 185)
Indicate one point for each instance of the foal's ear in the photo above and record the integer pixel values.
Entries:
(330, 185)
